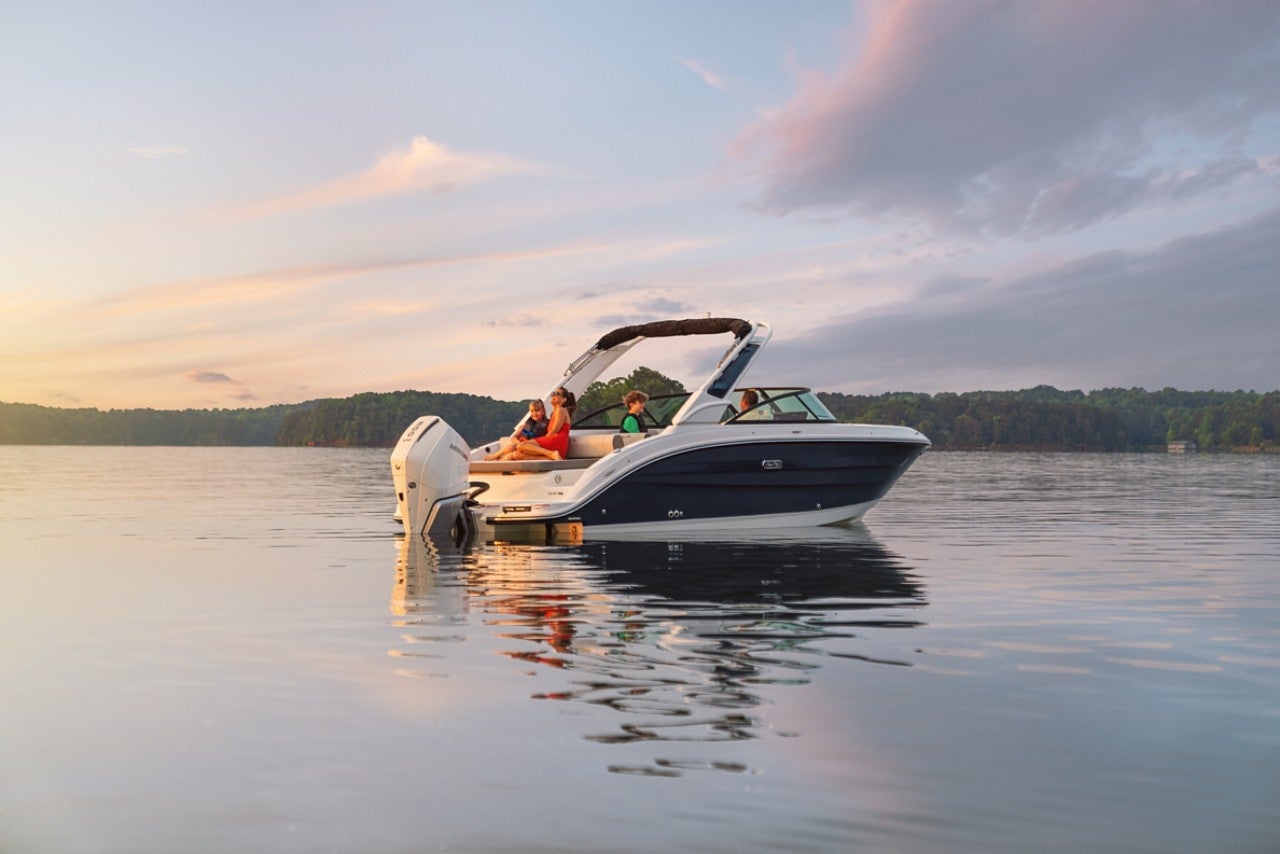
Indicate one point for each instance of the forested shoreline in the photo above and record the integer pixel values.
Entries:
(1045, 418)
(1041, 418)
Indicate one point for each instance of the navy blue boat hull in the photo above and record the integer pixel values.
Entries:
(751, 479)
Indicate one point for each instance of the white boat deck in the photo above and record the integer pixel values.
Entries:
(584, 449)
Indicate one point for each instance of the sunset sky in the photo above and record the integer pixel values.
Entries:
(224, 204)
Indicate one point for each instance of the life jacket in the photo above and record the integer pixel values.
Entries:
(638, 417)
(533, 429)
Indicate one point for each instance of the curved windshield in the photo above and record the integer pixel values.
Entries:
(658, 412)
(779, 404)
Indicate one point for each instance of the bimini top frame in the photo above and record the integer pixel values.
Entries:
(706, 403)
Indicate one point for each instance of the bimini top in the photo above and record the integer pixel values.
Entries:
(669, 328)
(706, 402)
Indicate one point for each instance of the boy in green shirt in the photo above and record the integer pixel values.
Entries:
(633, 421)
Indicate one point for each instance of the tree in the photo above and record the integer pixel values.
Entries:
(653, 383)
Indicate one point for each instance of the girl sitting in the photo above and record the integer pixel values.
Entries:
(555, 444)
(533, 427)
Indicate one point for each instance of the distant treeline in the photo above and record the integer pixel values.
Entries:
(1039, 418)
(377, 419)
(364, 420)
(28, 424)
(1045, 418)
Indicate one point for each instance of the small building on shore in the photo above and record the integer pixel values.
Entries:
(1185, 446)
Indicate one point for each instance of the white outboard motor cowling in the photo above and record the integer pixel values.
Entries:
(429, 467)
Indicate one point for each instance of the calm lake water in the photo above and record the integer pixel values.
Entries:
(231, 650)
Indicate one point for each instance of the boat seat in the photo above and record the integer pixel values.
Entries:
(596, 445)
(584, 449)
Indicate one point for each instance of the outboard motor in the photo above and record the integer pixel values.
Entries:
(429, 467)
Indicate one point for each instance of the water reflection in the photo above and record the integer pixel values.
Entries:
(680, 638)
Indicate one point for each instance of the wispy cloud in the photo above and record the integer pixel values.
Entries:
(239, 391)
(1010, 118)
(644, 310)
(662, 305)
(225, 291)
(208, 377)
(287, 282)
(518, 321)
(388, 307)
(706, 75)
(425, 166)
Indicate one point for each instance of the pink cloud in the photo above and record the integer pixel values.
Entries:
(425, 166)
(707, 76)
(965, 114)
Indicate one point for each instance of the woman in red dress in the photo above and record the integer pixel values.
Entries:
(554, 445)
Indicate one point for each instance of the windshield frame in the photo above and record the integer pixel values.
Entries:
(658, 412)
(791, 404)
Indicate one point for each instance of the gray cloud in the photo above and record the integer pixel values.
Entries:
(240, 392)
(208, 377)
(645, 311)
(1025, 118)
(520, 321)
(662, 305)
(1197, 313)
(615, 321)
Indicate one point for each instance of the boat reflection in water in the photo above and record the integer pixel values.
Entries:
(679, 637)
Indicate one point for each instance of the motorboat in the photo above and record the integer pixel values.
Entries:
(703, 464)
